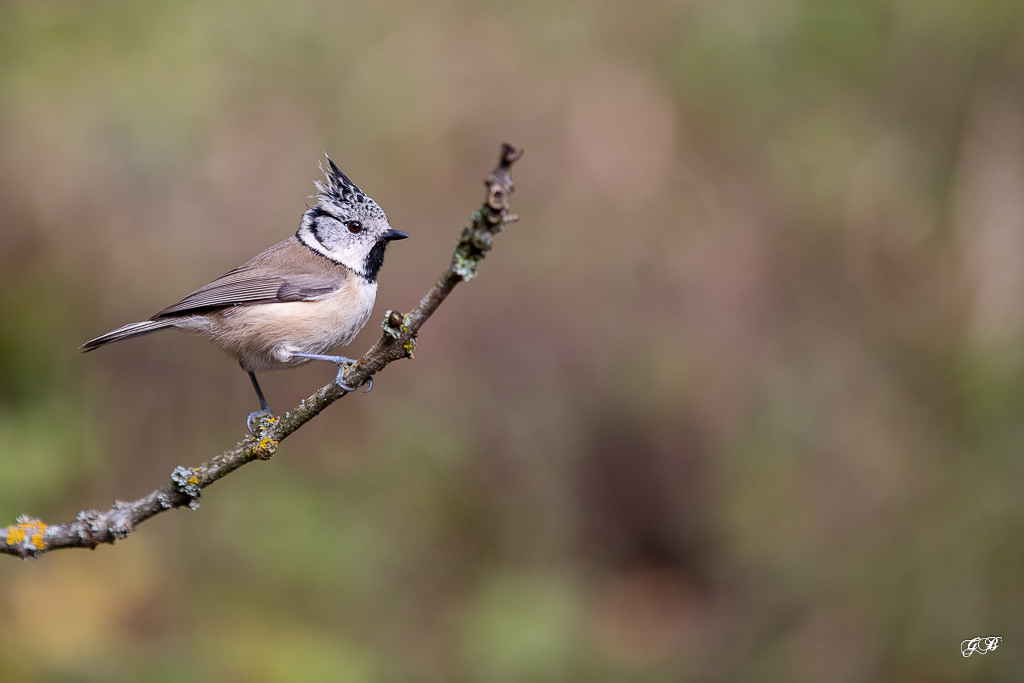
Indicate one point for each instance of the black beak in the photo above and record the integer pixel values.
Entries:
(394, 235)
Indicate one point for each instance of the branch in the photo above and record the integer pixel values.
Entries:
(31, 537)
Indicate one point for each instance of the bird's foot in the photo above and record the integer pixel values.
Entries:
(343, 364)
(253, 421)
(341, 372)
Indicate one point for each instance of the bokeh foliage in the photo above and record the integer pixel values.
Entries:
(739, 399)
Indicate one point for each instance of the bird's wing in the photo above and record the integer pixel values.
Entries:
(288, 271)
(244, 287)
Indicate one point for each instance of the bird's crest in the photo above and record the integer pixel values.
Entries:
(338, 187)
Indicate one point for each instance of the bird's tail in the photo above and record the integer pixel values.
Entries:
(127, 332)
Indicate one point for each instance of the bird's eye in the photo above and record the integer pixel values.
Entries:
(355, 227)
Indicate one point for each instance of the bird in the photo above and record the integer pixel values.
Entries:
(296, 300)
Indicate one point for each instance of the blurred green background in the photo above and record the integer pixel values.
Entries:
(741, 397)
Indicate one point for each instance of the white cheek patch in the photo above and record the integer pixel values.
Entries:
(352, 255)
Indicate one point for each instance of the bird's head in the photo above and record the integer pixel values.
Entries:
(346, 226)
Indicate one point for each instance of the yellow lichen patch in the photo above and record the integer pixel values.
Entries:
(410, 347)
(36, 541)
(268, 445)
(33, 531)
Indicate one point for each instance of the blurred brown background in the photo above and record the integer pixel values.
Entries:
(741, 398)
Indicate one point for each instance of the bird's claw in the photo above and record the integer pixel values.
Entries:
(347, 363)
(342, 362)
(339, 380)
(254, 419)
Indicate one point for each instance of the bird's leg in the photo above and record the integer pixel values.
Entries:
(264, 411)
(341, 361)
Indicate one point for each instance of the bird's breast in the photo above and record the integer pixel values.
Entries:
(264, 336)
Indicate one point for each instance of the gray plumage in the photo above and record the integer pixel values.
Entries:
(127, 332)
(287, 271)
